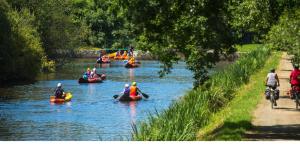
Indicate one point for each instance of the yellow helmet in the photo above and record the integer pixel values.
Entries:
(133, 84)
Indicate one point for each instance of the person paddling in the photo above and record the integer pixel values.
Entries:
(134, 89)
(59, 92)
(126, 90)
(131, 61)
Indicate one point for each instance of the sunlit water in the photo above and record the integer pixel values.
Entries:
(93, 114)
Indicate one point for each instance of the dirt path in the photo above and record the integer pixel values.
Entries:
(283, 122)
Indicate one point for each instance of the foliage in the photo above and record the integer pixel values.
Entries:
(247, 47)
(20, 45)
(107, 24)
(196, 29)
(234, 120)
(54, 21)
(183, 119)
(286, 34)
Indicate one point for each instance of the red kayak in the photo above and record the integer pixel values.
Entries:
(131, 65)
(93, 80)
(130, 98)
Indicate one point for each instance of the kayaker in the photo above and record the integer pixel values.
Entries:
(85, 76)
(131, 51)
(131, 61)
(88, 72)
(126, 91)
(59, 92)
(94, 73)
(133, 89)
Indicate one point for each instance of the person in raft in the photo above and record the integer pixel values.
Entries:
(59, 92)
(131, 61)
(88, 72)
(94, 73)
(133, 89)
(126, 90)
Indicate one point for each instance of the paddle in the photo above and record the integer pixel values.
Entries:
(144, 94)
(115, 96)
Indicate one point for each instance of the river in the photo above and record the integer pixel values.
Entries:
(93, 114)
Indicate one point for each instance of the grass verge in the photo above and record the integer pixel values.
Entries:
(231, 122)
(182, 120)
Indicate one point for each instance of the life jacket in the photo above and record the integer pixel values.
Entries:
(59, 93)
(127, 91)
(133, 91)
(295, 77)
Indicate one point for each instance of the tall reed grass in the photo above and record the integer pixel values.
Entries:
(182, 120)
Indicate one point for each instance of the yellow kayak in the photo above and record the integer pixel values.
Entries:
(67, 98)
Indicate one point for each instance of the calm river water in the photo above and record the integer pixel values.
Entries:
(93, 114)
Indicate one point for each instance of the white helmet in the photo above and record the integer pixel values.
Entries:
(59, 85)
(126, 85)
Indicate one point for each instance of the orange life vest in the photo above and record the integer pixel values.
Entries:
(133, 91)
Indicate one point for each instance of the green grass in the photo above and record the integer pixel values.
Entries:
(89, 48)
(232, 122)
(248, 47)
(183, 119)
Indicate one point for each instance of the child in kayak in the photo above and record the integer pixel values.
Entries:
(59, 92)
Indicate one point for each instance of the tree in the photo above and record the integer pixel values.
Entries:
(286, 34)
(60, 35)
(20, 45)
(198, 30)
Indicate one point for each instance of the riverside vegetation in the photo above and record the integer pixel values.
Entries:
(44, 33)
(184, 118)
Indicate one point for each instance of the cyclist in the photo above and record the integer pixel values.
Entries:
(272, 81)
(295, 78)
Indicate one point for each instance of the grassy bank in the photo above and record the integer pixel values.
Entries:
(184, 118)
(231, 122)
(247, 47)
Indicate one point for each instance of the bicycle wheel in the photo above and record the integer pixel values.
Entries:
(297, 100)
(272, 100)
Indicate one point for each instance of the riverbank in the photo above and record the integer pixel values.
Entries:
(184, 118)
(232, 122)
(94, 53)
(147, 55)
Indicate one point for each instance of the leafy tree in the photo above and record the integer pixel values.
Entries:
(286, 34)
(198, 30)
(54, 20)
(106, 21)
(20, 45)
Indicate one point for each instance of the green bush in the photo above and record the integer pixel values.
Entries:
(21, 49)
(285, 35)
(183, 118)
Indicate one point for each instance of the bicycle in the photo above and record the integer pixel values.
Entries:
(272, 96)
(296, 95)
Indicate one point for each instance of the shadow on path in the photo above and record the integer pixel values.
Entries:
(276, 132)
